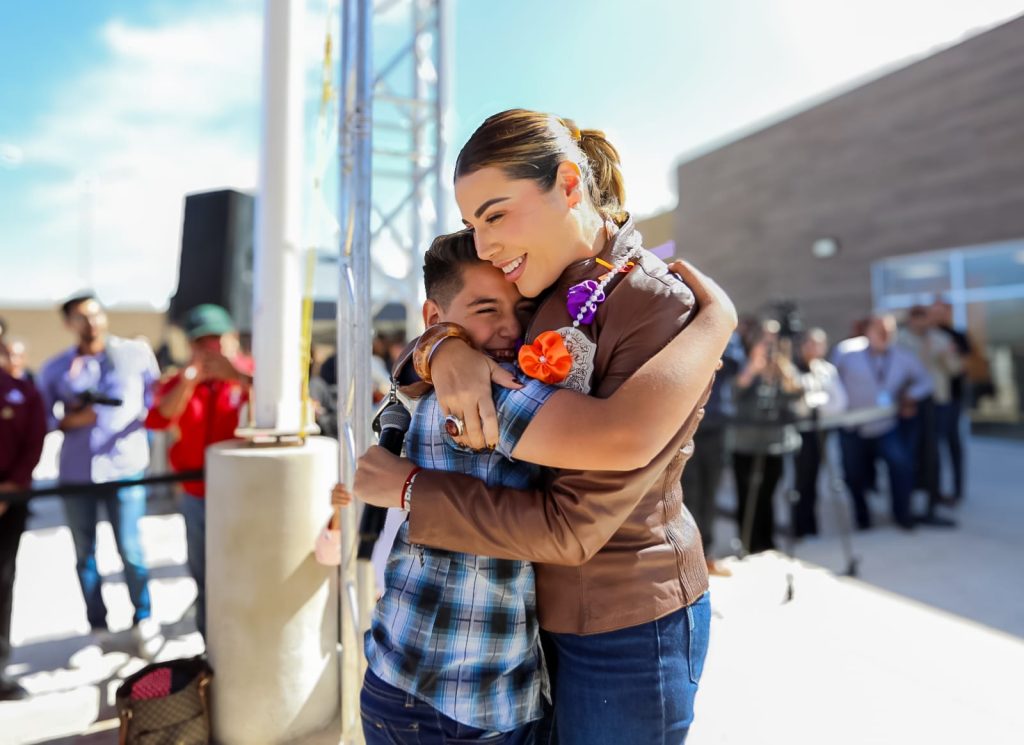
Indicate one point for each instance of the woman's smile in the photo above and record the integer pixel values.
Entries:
(514, 269)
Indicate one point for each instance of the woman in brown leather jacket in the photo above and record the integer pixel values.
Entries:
(621, 577)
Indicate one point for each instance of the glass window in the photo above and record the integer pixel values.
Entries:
(996, 367)
(913, 275)
(989, 267)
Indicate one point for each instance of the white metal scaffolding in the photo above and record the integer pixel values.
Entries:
(391, 135)
(411, 73)
(410, 99)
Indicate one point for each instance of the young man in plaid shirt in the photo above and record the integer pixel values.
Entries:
(453, 650)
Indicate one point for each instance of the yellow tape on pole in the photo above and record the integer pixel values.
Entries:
(306, 353)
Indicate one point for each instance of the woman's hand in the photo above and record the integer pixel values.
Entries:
(709, 294)
(380, 477)
(757, 364)
(462, 380)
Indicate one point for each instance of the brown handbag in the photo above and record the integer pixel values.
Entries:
(166, 703)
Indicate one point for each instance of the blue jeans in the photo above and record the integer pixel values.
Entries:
(634, 685)
(193, 509)
(124, 509)
(393, 717)
(859, 454)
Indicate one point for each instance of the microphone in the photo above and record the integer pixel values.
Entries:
(392, 424)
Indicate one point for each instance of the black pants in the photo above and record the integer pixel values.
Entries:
(919, 433)
(767, 470)
(947, 427)
(701, 478)
(12, 525)
(859, 453)
(808, 461)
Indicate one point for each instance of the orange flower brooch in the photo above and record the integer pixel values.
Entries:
(546, 359)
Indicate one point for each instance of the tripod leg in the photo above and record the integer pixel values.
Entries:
(792, 497)
(841, 506)
(756, 477)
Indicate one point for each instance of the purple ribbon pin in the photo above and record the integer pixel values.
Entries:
(578, 296)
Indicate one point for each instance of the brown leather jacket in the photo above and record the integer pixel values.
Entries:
(611, 549)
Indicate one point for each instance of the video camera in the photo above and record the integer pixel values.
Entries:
(787, 313)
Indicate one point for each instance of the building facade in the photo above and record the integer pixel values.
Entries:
(906, 189)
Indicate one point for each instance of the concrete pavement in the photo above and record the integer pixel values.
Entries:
(925, 647)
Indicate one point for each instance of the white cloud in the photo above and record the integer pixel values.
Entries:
(805, 50)
(11, 155)
(172, 108)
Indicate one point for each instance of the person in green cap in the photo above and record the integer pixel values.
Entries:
(200, 404)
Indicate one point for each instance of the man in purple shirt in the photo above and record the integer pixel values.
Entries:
(103, 387)
(22, 428)
(880, 373)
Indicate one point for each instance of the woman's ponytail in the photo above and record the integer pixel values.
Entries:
(608, 188)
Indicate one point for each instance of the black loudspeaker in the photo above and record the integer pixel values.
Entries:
(216, 256)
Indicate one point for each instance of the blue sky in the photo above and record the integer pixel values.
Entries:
(111, 111)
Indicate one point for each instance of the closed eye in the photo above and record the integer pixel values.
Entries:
(491, 219)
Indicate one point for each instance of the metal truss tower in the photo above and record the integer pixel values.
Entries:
(391, 200)
(410, 97)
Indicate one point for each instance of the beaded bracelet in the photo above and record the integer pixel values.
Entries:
(404, 499)
(428, 343)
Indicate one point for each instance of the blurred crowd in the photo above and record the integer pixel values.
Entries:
(894, 393)
(109, 396)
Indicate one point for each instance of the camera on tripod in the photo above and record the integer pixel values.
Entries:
(784, 324)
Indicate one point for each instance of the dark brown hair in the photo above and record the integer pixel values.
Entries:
(75, 300)
(443, 263)
(530, 145)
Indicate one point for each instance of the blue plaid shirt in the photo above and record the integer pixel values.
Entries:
(460, 631)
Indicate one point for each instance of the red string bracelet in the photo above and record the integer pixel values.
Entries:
(408, 483)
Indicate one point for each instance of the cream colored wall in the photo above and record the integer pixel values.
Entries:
(656, 229)
(44, 333)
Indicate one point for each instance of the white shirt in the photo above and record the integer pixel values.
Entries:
(823, 390)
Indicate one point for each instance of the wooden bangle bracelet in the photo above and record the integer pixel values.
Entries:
(428, 343)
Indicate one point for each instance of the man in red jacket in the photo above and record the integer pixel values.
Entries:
(202, 403)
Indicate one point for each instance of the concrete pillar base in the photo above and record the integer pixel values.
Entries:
(271, 608)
